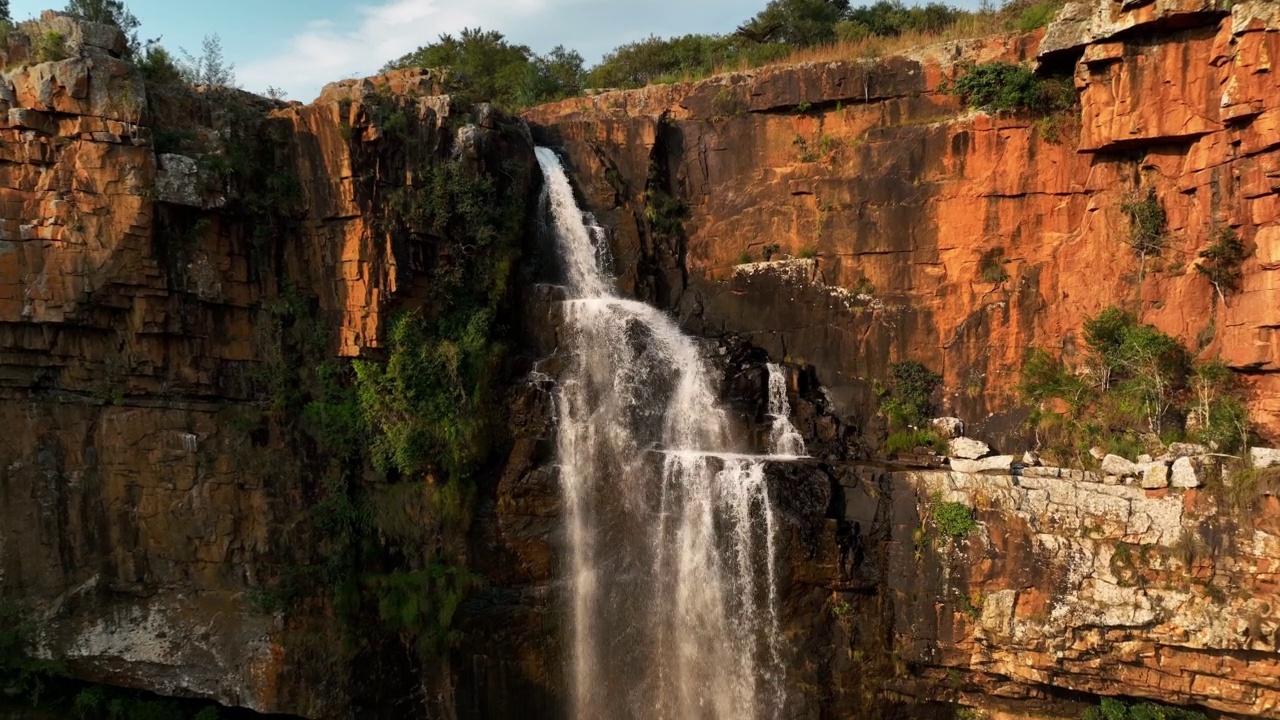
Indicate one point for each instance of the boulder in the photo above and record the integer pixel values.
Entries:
(948, 427)
(998, 462)
(1181, 450)
(1116, 465)
(1186, 473)
(1264, 457)
(1156, 477)
(969, 449)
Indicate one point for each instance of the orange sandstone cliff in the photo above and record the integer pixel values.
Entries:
(899, 193)
(157, 291)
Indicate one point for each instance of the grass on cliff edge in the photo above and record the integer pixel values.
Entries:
(1016, 16)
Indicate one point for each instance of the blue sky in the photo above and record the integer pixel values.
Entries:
(299, 45)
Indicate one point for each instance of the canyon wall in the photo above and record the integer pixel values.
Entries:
(840, 215)
(901, 197)
(174, 263)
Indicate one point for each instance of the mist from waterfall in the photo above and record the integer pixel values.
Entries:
(670, 534)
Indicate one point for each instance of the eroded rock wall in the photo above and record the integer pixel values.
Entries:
(902, 198)
(158, 246)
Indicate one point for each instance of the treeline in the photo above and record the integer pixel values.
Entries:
(488, 66)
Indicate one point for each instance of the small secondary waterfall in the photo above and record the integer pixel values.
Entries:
(670, 534)
(784, 439)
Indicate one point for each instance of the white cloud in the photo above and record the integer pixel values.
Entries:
(326, 50)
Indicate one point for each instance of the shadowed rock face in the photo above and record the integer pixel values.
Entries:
(148, 494)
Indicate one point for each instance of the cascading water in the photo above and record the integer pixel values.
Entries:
(674, 609)
(784, 439)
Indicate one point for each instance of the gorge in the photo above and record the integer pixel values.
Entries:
(397, 405)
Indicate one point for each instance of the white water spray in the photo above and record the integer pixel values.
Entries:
(784, 439)
(670, 534)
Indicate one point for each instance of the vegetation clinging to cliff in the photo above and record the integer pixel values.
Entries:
(1010, 87)
(1220, 262)
(1112, 709)
(1135, 382)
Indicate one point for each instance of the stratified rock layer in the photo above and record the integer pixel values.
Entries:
(955, 238)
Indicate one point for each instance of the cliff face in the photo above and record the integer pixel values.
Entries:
(168, 260)
(890, 199)
(174, 264)
(903, 196)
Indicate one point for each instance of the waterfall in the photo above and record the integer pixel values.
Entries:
(673, 607)
(784, 439)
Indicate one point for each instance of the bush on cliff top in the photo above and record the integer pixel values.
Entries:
(485, 66)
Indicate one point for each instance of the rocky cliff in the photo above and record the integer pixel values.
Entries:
(843, 215)
(178, 269)
(185, 272)
(902, 197)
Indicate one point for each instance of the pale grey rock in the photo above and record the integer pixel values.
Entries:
(948, 427)
(178, 180)
(1030, 458)
(1116, 465)
(1097, 452)
(1186, 473)
(999, 462)
(1111, 480)
(1264, 457)
(1145, 459)
(1041, 472)
(1180, 450)
(969, 449)
(1156, 477)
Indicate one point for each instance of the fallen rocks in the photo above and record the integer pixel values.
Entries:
(1263, 458)
(1156, 477)
(1186, 473)
(1116, 465)
(998, 462)
(969, 449)
(1181, 450)
(948, 427)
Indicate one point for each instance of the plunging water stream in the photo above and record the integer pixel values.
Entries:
(670, 533)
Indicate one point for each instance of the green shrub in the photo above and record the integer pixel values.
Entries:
(991, 267)
(22, 676)
(953, 519)
(1009, 87)
(1147, 223)
(50, 46)
(744, 257)
(1135, 381)
(909, 402)
(808, 252)
(770, 250)
(1112, 709)
(907, 440)
(1220, 262)
(1036, 15)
